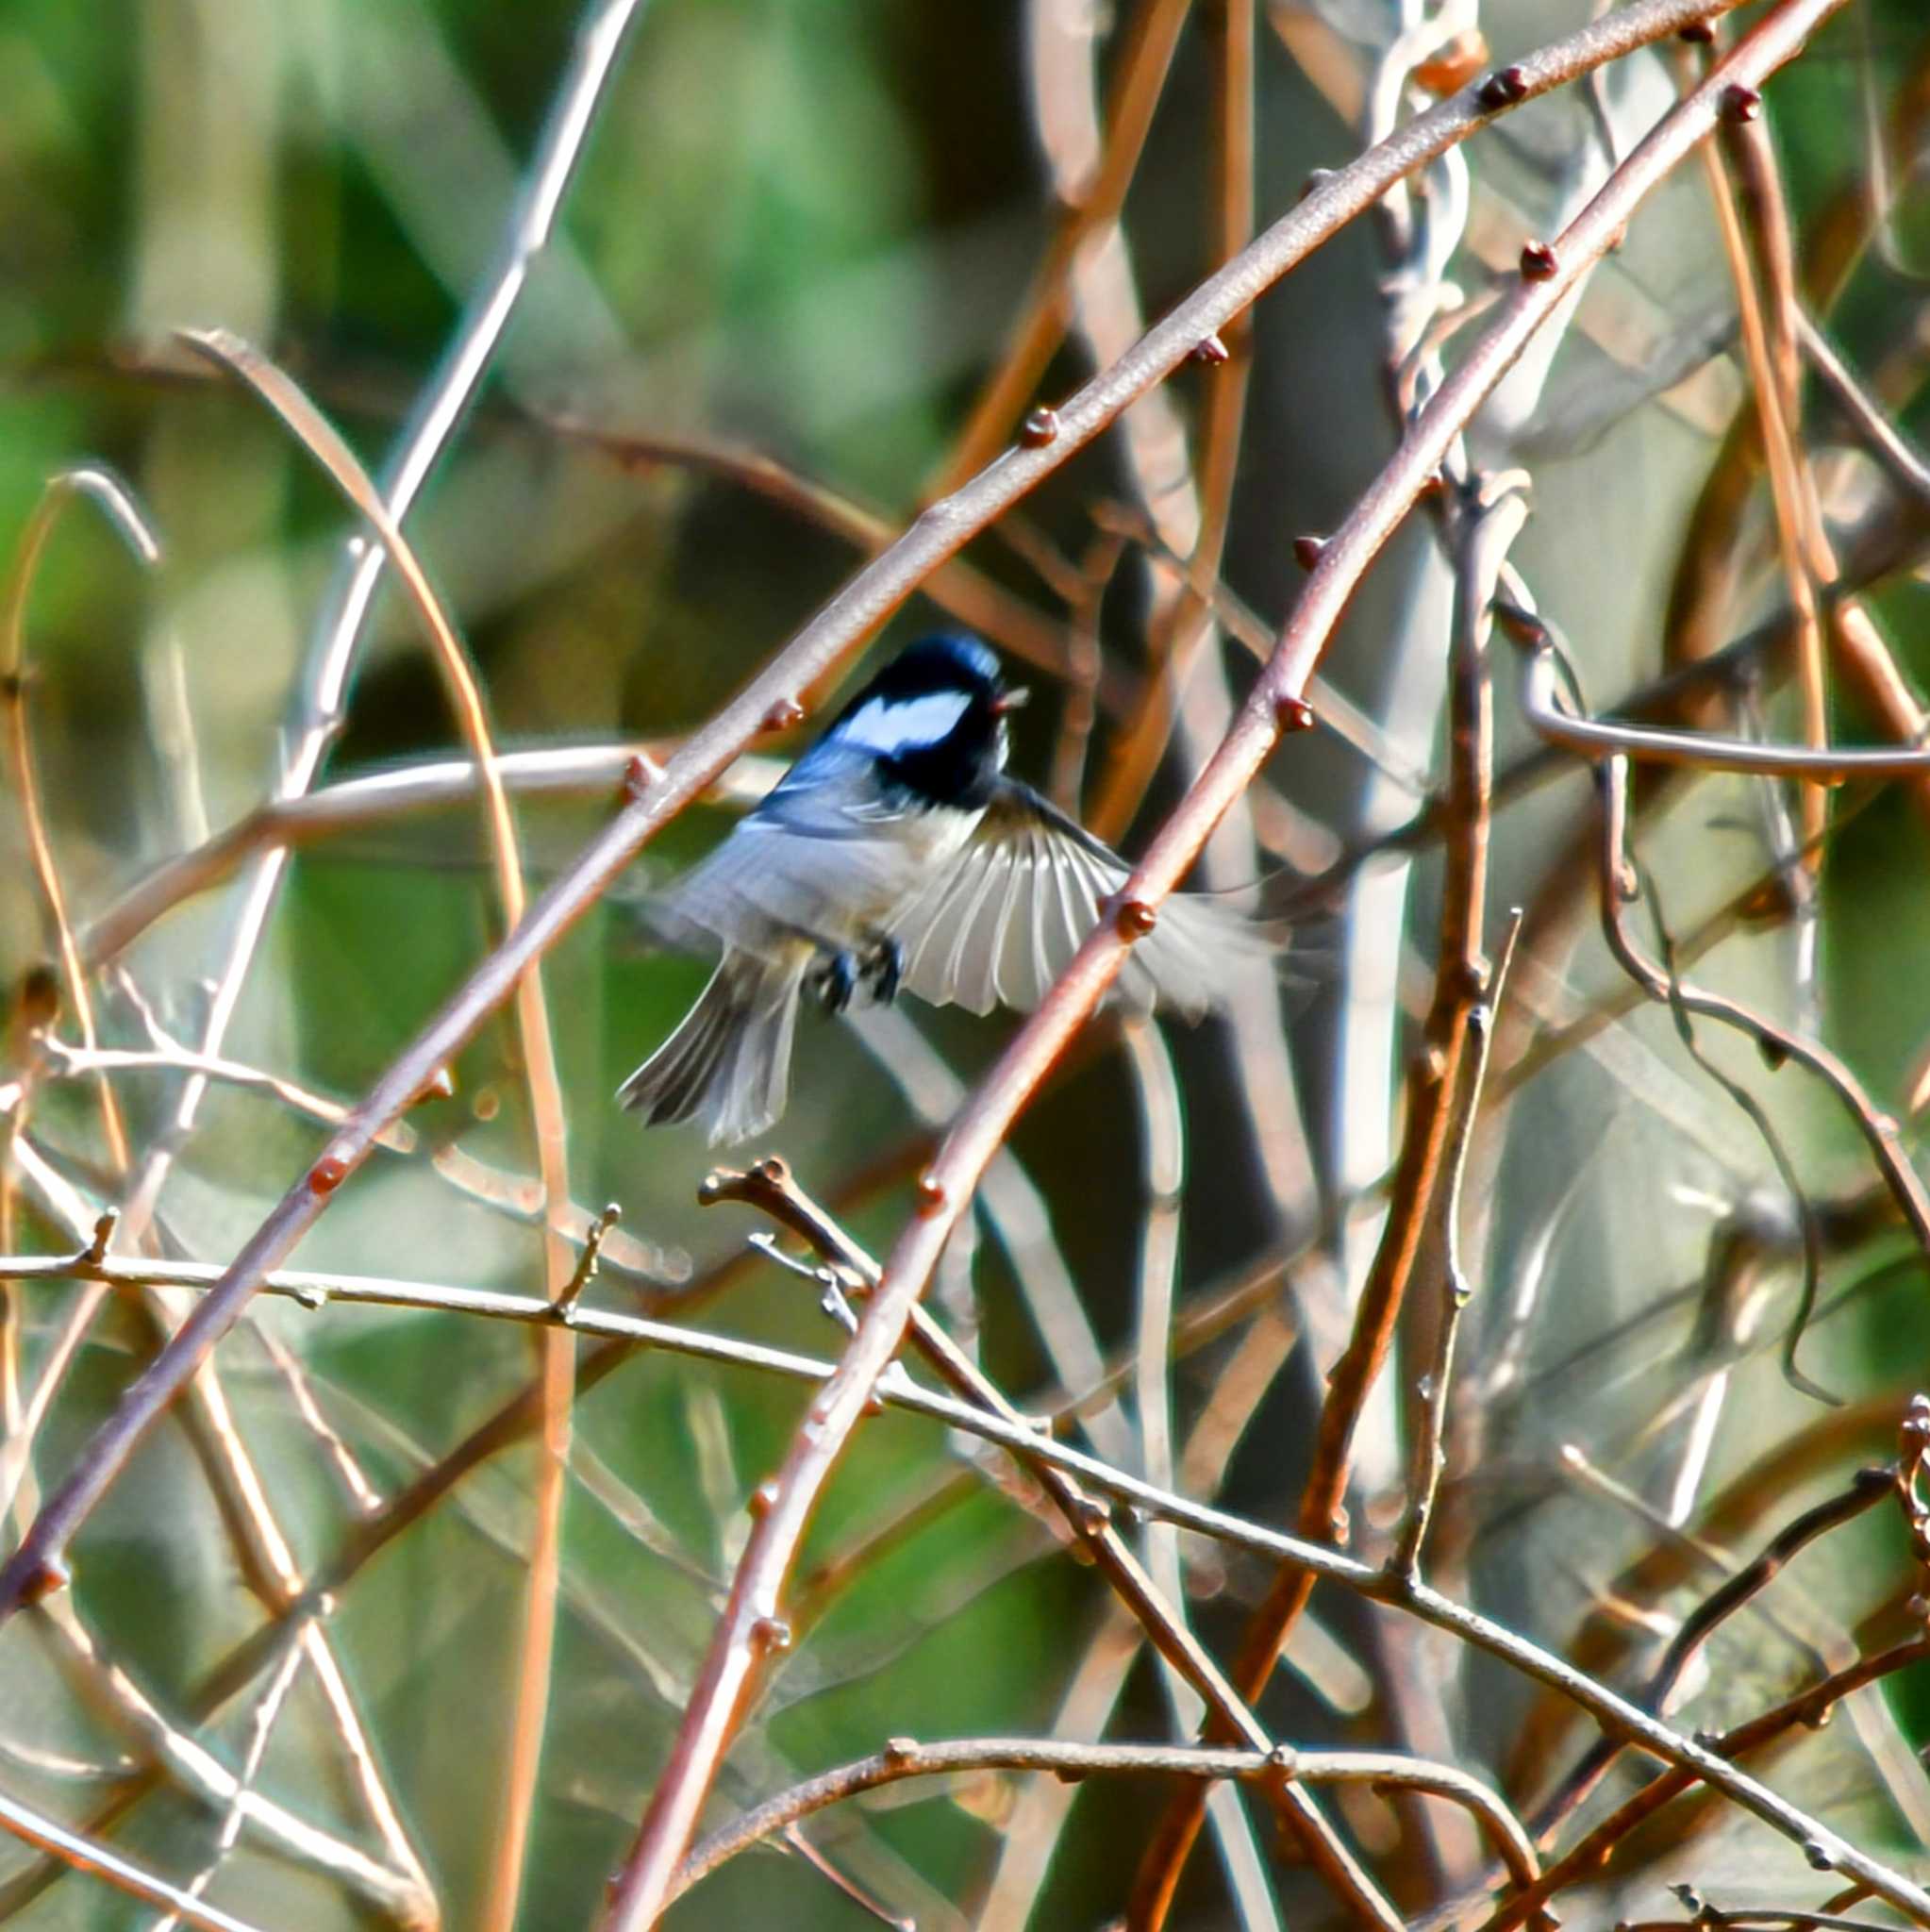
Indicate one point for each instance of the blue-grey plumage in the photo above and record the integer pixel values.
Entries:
(897, 852)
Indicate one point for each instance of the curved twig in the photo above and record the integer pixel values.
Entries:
(1691, 1760)
(904, 1758)
(939, 533)
(1649, 745)
(743, 1641)
(1777, 1044)
(535, 1036)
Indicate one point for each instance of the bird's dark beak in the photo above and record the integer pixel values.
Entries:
(1014, 698)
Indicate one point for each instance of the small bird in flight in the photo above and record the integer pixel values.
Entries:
(898, 852)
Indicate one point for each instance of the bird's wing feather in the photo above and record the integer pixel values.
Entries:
(1000, 922)
(835, 791)
(817, 858)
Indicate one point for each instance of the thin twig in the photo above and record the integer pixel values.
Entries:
(1775, 377)
(1777, 1044)
(872, 596)
(1598, 738)
(904, 1758)
(743, 1641)
(1879, 435)
(83, 1856)
(1608, 1708)
(768, 1187)
(1429, 1461)
(1866, 1489)
(1808, 1708)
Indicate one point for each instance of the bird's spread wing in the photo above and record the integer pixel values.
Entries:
(999, 923)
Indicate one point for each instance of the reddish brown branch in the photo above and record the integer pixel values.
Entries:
(1141, 77)
(743, 1640)
(1867, 1488)
(1440, 1091)
(1807, 1709)
(769, 1187)
(877, 590)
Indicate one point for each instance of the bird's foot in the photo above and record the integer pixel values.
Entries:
(834, 981)
(882, 969)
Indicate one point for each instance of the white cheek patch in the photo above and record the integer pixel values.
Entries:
(908, 725)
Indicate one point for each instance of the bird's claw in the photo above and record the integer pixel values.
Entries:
(836, 980)
(838, 975)
(884, 967)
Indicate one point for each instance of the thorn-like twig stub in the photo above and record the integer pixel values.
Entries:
(762, 1499)
(49, 1576)
(329, 1172)
(1134, 919)
(1740, 103)
(640, 775)
(585, 1271)
(931, 1193)
(770, 1634)
(771, 1171)
(782, 715)
(1293, 714)
(1319, 178)
(1502, 89)
(1211, 350)
(900, 1749)
(1306, 551)
(96, 1251)
(1095, 1514)
(1819, 1854)
(1698, 33)
(440, 1085)
(1039, 427)
(1538, 262)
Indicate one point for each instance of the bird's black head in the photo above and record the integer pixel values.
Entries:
(934, 719)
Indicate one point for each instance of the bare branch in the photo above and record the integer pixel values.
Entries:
(36, 1564)
(904, 1758)
(85, 1856)
(742, 1642)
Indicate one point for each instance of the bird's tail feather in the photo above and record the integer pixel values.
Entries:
(729, 1063)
